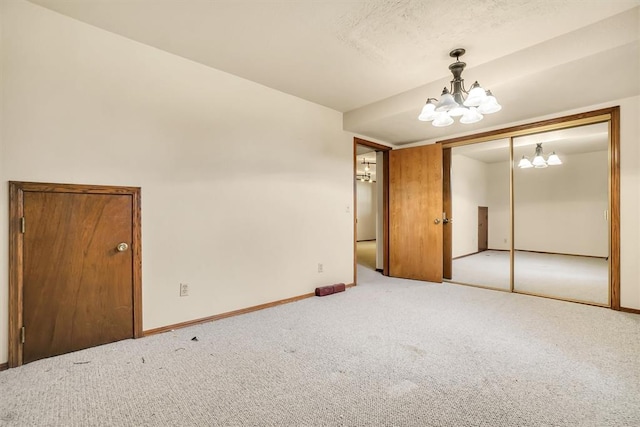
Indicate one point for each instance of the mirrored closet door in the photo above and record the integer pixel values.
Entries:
(480, 215)
(561, 218)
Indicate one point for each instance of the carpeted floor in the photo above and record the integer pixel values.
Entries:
(559, 276)
(366, 253)
(389, 352)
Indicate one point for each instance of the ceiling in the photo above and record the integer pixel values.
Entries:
(378, 60)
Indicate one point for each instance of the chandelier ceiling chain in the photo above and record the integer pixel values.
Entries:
(469, 105)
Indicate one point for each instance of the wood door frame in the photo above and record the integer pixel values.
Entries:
(385, 204)
(16, 259)
(610, 115)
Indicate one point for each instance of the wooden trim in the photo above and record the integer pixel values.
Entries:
(350, 285)
(355, 211)
(559, 253)
(16, 209)
(447, 208)
(533, 128)
(614, 208)
(213, 318)
(464, 256)
(371, 144)
(629, 310)
(4, 366)
(385, 213)
(512, 221)
(16, 261)
(533, 294)
(473, 285)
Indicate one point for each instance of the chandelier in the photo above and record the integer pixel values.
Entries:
(539, 160)
(457, 101)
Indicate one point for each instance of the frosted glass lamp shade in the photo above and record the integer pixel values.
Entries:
(442, 120)
(446, 101)
(489, 105)
(538, 162)
(428, 112)
(476, 96)
(458, 111)
(524, 163)
(554, 160)
(471, 116)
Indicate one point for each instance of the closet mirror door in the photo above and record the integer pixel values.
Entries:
(481, 227)
(561, 200)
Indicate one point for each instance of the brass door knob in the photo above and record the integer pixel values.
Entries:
(122, 247)
(437, 221)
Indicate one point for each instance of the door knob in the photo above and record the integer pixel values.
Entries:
(437, 221)
(122, 247)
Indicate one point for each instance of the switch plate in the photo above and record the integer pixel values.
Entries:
(320, 268)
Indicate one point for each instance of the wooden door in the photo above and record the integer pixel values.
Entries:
(415, 213)
(80, 270)
(483, 228)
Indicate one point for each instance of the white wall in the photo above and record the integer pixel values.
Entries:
(561, 209)
(244, 189)
(468, 191)
(498, 190)
(367, 208)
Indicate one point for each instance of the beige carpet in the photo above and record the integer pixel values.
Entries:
(389, 352)
(559, 276)
(366, 254)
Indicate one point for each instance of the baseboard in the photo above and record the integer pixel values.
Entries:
(4, 366)
(379, 270)
(630, 310)
(213, 318)
(558, 253)
(350, 285)
(462, 256)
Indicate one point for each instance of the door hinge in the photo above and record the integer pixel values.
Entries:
(22, 334)
(23, 225)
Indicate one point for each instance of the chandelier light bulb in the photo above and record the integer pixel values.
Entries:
(524, 163)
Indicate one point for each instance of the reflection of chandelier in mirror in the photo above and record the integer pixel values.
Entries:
(471, 105)
(538, 160)
(365, 177)
(367, 164)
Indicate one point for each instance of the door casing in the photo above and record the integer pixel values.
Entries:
(16, 255)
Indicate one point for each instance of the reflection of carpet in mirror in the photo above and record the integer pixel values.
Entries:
(560, 276)
(366, 253)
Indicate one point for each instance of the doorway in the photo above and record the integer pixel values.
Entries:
(370, 211)
(483, 228)
(75, 270)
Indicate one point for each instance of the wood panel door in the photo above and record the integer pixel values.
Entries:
(415, 213)
(483, 228)
(80, 271)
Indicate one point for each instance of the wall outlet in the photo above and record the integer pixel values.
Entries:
(320, 267)
(184, 289)
(505, 240)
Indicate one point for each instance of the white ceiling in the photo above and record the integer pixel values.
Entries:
(378, 60)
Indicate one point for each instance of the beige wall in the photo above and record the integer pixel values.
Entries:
(367, 209)
(468, 191)
(244, 189)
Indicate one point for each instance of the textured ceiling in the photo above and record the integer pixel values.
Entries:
(354, 56)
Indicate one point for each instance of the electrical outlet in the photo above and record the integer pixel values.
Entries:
(184, 289)
(505, 240)
(320, 268)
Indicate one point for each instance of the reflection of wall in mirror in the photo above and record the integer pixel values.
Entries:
(561, 209)
(367, 205)
(469, 190)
